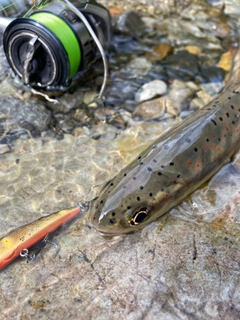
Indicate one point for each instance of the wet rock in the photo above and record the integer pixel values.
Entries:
(7, 89)
(185, 114)
(231, 7)
(179, 97)
(120, 92)
(67, 102)
(212, 88)
(159, 52)
(182, 65)
(225, 61)
(120, 120)
(137, 67)
(171, 108)
(195, 11)
(150, 90)
(187, 33)
(131, 23)
(128, 45)
(28, 114)
(4, 148)
(204, 96)
(193, 86)
(215, 26)
(89, 98)
(211, 74)
(196, 103)
(4, 66)
(150, 22)
(150, 110)
(193, 50)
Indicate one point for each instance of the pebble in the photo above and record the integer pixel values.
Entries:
(212, 88)
(185, 114)
(179, 97)
(193, 50)
(4, 148)
(196, 103)
(150, 110)
(159, 52)
(138, 66)
(150, 90)
(225, 61)
(89, 98)
(204, 96)
(215, 26)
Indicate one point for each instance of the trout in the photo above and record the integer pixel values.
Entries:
(176, 164)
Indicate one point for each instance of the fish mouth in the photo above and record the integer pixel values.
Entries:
(116, 233)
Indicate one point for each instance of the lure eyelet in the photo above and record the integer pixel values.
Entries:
(138, 217)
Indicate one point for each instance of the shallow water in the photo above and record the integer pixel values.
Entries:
(186, 265)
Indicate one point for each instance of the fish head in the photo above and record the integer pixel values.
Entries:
(121, 220)
(120, 210)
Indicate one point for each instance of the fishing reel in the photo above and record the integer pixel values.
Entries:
(57, 42)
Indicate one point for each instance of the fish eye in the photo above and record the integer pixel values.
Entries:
(139, 216)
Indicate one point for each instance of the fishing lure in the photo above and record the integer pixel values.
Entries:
(26, 236)
(176, 164)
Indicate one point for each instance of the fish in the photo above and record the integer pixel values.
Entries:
(26, 236)
(176, 164)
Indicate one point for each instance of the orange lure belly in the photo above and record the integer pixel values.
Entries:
(26, 236)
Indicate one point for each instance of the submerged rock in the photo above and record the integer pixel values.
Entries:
(182, 65)
(211, 74)
(150, 90)
(150, 110)
(159, 52)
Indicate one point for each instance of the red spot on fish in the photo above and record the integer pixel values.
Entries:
(224, 135)
(168, 196)
(211, 145)
(226, 127)
(206, 148)
(236, 130)
(213, 135)
(197, 165)
(189, 162)
(218, 148)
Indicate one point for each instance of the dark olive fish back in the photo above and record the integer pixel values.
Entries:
(176, 164)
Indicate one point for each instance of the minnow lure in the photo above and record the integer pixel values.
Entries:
(26, 236)
(172, 167)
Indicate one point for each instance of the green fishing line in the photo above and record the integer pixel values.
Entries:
(66, 36)
(9, 5)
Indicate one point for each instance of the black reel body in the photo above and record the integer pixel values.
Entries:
(52, 47)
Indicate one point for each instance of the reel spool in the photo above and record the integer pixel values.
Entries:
(53, 47)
